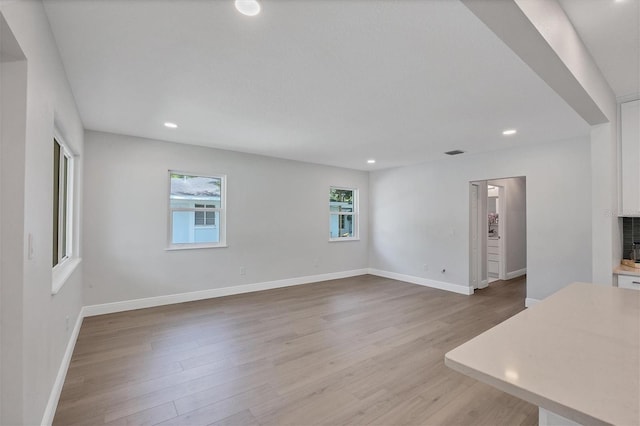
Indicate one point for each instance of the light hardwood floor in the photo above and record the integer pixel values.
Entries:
(362, 350)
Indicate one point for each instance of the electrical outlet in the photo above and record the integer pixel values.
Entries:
(316, 262)
(425, 267)
(243, 270)
(66, 323)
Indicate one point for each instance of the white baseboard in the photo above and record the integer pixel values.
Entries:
(54, 396)
(127, 305)
(516, 274)
(529, 302)
(149, 302)
(456, 288)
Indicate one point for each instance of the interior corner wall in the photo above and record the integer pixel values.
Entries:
(420, 214)
(277, 220)
(44, 316)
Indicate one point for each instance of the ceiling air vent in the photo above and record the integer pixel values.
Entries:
(454, 152)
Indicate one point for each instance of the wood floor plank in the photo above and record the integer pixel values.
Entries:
(222, 409)
(331, 383)
(148, 417)
(243, 418)
(361, 350)
(100, 400)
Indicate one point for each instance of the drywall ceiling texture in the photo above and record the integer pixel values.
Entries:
(611, 32)
(432, 225)
(330, 82)
(49, 100)
(277, 220)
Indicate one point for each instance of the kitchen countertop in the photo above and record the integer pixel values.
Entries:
(626, 270)
(576, 353)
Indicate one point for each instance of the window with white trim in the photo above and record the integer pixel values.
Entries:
(205, 217)
(62, 203)
(343, 213)
(196, 210)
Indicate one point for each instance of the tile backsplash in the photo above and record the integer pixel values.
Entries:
(630, 233)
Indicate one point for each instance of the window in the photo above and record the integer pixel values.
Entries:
(62, 203)
(204, 217)
(196, 210)
(343, 214)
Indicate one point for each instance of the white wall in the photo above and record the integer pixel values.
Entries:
(606, 242)
(516, 222)
(13, 109)
(43, 316)
(277, 220)
(420, 214)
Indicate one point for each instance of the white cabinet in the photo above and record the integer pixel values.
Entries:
(629, 281)
(630, 157)
(493, 257)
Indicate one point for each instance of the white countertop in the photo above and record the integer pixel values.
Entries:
(576, 353)
(626, 270)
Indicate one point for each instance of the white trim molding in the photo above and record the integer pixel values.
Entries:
(149, 302)
(515, 274)
(455, 288)
(530, 301)
(628, 98)
(127, 305)
(61, 273)
(54, 396)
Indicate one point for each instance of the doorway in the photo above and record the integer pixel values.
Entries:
(497, 230)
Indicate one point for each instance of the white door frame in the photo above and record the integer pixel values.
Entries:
(478, 229)
(502, 243)
(502, 231)
(475, 271)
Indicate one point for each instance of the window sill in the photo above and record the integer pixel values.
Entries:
(335, 240)
(195, 247)
(62, 272)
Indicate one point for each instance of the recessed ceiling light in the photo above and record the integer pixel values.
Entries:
(171, 125)
(248, 7)
(510, 132)
(371, 161)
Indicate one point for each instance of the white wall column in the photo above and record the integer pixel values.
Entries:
(605, 236)
(13, 104)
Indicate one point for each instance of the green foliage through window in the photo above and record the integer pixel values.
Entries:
(341, 195)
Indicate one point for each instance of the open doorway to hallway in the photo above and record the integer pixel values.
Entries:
(497, 230)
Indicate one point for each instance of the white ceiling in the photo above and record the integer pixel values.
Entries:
(611, 31)
(325, 81)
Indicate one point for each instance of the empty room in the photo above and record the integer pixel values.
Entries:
(319, 212)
